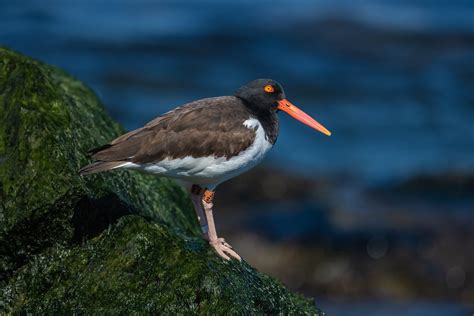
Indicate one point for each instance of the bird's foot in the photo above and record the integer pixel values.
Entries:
(223, 249)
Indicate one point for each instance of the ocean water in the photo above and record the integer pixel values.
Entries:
(391, 309)
(391, 79)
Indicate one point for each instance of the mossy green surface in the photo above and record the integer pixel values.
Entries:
(112, 243)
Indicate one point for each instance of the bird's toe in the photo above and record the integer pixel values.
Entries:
(224, 249)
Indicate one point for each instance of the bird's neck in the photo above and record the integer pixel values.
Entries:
(270, 123)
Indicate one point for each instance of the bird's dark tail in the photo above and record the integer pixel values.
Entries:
(100, 166)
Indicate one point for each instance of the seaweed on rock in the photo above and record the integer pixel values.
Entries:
(114, 243)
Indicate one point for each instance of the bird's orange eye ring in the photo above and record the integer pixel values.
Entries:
(269, 88)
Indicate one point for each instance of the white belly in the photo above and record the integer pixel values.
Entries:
(211, 171)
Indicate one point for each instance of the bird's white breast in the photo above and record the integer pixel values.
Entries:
(211, 170)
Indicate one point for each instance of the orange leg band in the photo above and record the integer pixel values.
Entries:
(208, 196)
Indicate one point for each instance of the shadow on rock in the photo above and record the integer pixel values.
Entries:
(92, 216)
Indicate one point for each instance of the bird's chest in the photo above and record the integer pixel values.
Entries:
(214, 169)
(254, 154)
(223, 169)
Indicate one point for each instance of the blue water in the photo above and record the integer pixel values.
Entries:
(383, 308)
(391, 79)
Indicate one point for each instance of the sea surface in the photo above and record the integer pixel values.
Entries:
(393, 309)
(393, 81)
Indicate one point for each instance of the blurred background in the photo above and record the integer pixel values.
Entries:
(375, 220)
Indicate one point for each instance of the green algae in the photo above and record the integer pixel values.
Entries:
(112, 243)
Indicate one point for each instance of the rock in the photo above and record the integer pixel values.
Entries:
(114, 243)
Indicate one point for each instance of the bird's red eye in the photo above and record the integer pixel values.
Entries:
(269, 88)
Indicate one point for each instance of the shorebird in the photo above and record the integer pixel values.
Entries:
(204, 143)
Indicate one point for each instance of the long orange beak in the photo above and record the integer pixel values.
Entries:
(301, 116)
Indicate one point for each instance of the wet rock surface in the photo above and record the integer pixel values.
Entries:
(112, 243)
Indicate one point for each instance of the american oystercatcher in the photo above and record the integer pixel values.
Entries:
(204, 143)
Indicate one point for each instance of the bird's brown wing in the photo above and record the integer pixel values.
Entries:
(206, 127)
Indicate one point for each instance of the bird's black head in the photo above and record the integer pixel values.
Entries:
(261, 94)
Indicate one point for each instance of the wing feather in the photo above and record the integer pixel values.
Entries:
(206, 127)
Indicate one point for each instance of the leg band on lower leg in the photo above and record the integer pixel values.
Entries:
(205, 228)
(208, 196)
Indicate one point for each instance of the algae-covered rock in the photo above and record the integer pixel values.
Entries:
(113, 243)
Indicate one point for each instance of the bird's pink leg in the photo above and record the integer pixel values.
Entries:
(222, 248)
(196, 197)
